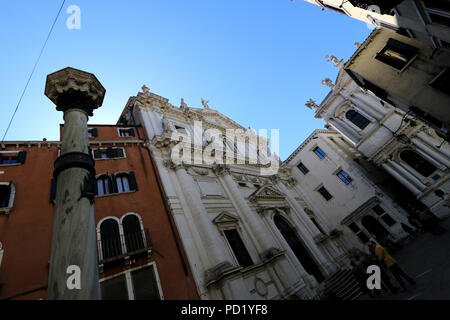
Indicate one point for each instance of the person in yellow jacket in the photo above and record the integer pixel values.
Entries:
(391, 264)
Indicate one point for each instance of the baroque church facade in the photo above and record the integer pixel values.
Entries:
(247, 235)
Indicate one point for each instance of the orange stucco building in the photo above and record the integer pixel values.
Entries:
(139, 250)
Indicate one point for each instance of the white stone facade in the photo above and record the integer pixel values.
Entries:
(352, 199)
(384, 135)
(420, 20)
(289, 254)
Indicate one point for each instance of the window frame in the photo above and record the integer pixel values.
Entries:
(236, 260)
(326, 190)
(435, 79)
(418, 173)
(305, 170)
(129, 280)
(12, 193)
(395, 46)
(318, 151)
(436, 11)
(379, 216)
(120, 130)
(105, 151)
(361, 119)
(19, 155)
(345, 177)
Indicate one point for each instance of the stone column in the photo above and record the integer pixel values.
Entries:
(264, 241)
(77, 94)
(307, 227)
(387, 166)
(214, 250)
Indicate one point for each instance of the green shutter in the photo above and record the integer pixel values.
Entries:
(110, 153)
(119, 153)
(132, 181)
(97, 154)
(53, 190)
(95, 132)
(113, 184)
(131, 132)
(22, 157)
(4, 201)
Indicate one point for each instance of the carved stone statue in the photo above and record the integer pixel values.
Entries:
(337, 63)
(183, 104)
(205, 104)
(165, 125)
(311, 104)
(145, 89)
(327, 82)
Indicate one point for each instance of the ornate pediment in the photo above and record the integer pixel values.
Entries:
(225, 217)
(266, 192)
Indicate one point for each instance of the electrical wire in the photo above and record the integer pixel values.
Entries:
(34, 68)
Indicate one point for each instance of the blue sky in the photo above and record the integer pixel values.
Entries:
(257, 62)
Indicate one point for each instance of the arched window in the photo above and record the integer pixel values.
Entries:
(110, 239)
(357, 119)
(123, 183)
(104, 185)
(134, 239)
(416, 161)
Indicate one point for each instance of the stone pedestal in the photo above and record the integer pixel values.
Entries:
(77, 94)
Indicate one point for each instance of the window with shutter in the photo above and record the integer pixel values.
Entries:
(111, 245)
(145, 286)
(53, 190)
(104, 185)
(5, 194)
(132, 181)
(12, 158)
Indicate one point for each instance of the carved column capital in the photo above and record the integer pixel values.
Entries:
(221, 170)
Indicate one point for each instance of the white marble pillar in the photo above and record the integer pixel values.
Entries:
(250, 218)
(307, 228)
(207, 232)
(439, 159)
(386, 166)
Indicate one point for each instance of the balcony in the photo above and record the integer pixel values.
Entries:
(113, 250)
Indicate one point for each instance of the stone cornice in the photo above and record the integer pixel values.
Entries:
(304, 143)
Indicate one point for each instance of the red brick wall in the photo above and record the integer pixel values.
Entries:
(26, 232)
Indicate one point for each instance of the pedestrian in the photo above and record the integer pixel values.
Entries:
(360, 278)
(370, 260)
(391, 264)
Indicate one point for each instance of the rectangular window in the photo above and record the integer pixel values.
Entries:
(324, 192)
(302, 168)
(437, 4)
(129, 132)
(344, 177)
(439, 19)
(442, 81)
(138, 284)
(15, 157)
(5, 195)
(92, 132)
(108, 153)
(359, 233)
(396, 54)
(384, 216)
(319, 152)
(238, 247)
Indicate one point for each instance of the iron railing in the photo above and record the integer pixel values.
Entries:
(123, 246)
